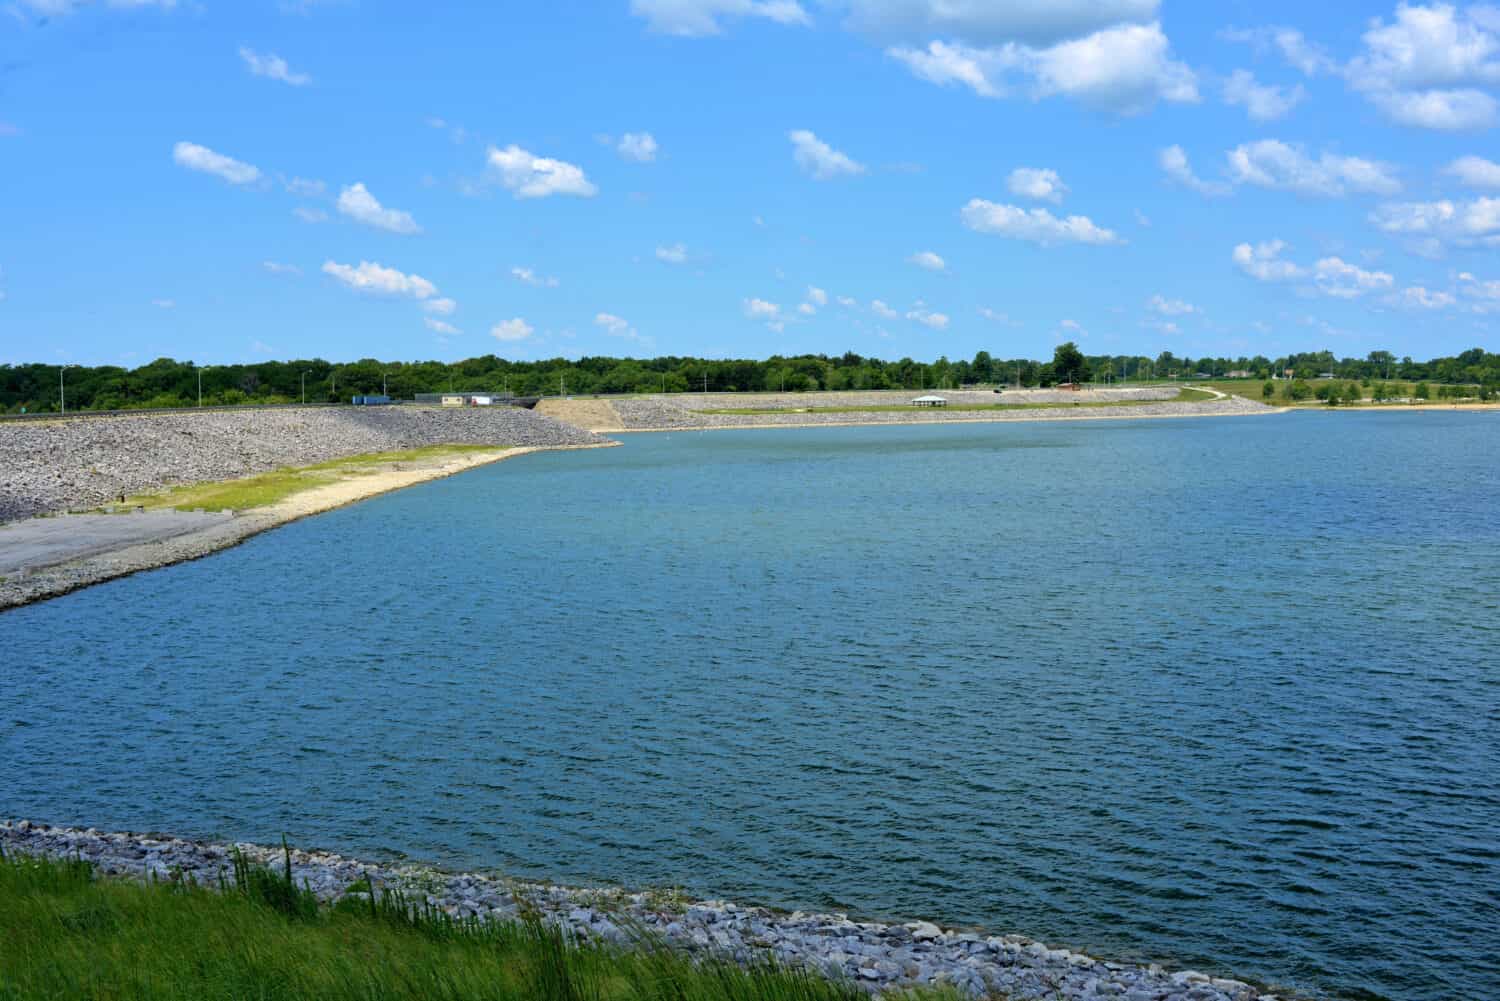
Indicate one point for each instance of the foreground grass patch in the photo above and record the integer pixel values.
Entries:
(68, 934)
(1183, 396)
(268, 488)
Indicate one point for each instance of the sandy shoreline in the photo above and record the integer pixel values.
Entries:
(67, 575)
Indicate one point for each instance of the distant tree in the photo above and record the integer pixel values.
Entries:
(1422, 391)
(1299, 390)
(1068, 363)
(1352, 392)
(1268, 390)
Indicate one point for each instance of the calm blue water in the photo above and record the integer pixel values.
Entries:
(1221, 693)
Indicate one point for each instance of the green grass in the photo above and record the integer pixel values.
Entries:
(65, 933)
(1183, 396)
(268, 488)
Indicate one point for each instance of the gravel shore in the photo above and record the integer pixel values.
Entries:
(878, 956)
(59, 465)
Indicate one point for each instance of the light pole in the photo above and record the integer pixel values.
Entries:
(62, 399)
(304, 386)
(382, 385)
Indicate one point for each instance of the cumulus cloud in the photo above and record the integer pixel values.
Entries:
(1035, 225)
(526, 276)
(807, 309)
(515, 329)
(1470, 223)
(273, 67)
(1125, 69)
(1306, 57)
(277, 268)
(1475, 172)
(697, 18)
(674, 254)
(760, 309)
(1170, 307)
(1271, 163)
(530, 176)
(881, 309)
(440, 326)
(303, 187)
(928, 260)
(442, 307)
(638, 146)
(1263, 262)
(356, 202)
(1035, 22)
(848, 302)
(369, 276)
(1262, 102)
(1418, 297)
(1174, 162)
(1337, 277)
(1427, 66)
(1037, 183)
(310, 215)
(928, 318)
(817, 296)
(819, 159)
(201, 158)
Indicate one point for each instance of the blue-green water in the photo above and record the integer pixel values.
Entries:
(1221, 693)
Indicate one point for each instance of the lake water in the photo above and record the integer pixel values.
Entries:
(1221, 693)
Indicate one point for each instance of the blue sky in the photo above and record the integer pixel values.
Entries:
(232, 181)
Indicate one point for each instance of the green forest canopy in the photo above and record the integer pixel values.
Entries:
(169, 383)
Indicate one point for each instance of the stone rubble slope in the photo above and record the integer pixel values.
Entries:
(875, 955)
(902, 397)
(656, 413)
(51, 466)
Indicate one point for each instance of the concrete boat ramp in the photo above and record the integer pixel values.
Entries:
(36, 543)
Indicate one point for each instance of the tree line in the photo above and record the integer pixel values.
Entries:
(167, 382)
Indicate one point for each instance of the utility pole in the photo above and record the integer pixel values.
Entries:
(382, 385)
(62, 397)
(200, 388)
(304, 386)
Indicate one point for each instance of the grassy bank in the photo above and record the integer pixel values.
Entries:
(265, 489)
(66, 933)
(1183, 396)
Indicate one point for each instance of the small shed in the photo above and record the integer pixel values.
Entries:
(930, 401)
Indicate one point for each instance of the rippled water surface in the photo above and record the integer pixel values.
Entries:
(1220, 693)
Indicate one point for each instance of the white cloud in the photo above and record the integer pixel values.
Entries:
(1037, 22)
(696, 18)
(611, 323)
(1036, 225)
(529, 176)
(1425, 67)
(277, 268)
(303, 187)
(1475, 172)
(1308, 58)
(1142, 219)
(310, 215)
(372, 277)
(1170, 307)
(1125, 69)
(928, 260)
(526, 276)
(1174, 161)
(1037, 183)
(1262, 102)
(56, 8)
(638, 146)
(1468, 223)
(1263, 262)
(760, 309)
(272, 66)
(927, 318)
(674, 254)
(1340, 279)
(164, 303)
(819, 159)
(817, 296)
(515, 329)
(807, 309)
(1270, 163)
(440, 326)
(201, 158)
(442, 307)
(881, 309)
(1417, 297)
(356, 202)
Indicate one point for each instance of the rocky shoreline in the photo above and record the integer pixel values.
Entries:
(877, 956)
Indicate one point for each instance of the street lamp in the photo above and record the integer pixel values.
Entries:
(62, 398)
(304, 386)
(200, 384)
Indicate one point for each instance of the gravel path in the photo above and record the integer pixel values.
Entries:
(68, 464)
(877, 956)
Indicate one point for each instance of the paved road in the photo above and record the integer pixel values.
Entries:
(40, 542)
